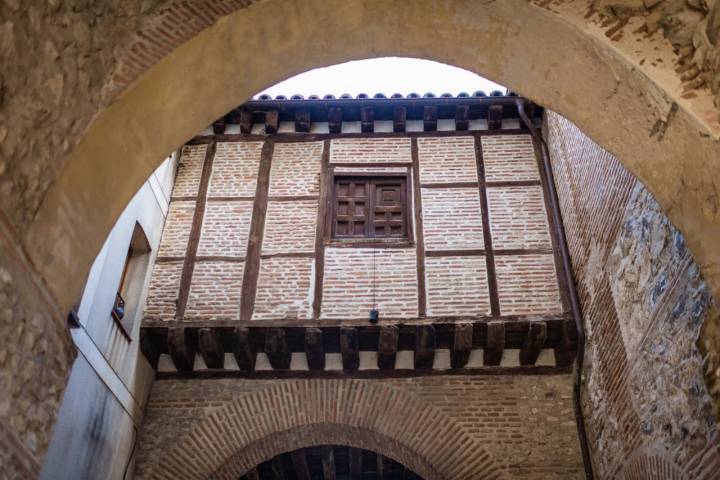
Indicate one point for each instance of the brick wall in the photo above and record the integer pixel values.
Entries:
(447, 160)
(442, 427)
(290, 227)
(376, 150)
(349, 283)
(189, 169)
(647, 408)
(509, 157)
(452, 219)
(177, 229)
(455, 283)
(518, 218)
(225, 229)
(235, 169)
(457, 286)
(163, 291)
(215, 291)
(295, 169)
(285, 288)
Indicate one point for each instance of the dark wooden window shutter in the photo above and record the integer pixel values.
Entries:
(368, 207)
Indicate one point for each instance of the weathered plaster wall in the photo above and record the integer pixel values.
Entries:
(443, 427)
(693, 28)
(644, 302)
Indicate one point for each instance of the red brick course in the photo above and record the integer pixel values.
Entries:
(187, 180)
(370, 150)
(527, 284)
(225, 229)
(518, 218)
(235, 169)
(215, 291)
(295, 168)
(348, 285)
(452, 219)
(457, 286)
(447, 159)
(509, 157)
(176, 232)
(284, 289)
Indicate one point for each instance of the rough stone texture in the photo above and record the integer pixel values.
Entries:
(447, 159)
(518, 218)
(34, 365)
(482, 427)
(647, 406)
(284, 289)
(452, 219)
(349, 283)
(359, 150)
(693, 28)
(457, 286)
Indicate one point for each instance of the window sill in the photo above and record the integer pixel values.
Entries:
(370, 243)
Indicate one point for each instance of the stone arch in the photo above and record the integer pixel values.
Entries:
(259, 425)
(669, 142)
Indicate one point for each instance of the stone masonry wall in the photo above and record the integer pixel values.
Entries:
(463, 427)
(647, 407)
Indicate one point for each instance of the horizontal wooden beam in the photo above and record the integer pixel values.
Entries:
(430, 118)
(495, 117)
(246, 122)
(242, 348)
(399, 116)
(462, 119)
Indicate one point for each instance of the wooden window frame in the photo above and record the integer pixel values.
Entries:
(373, 178)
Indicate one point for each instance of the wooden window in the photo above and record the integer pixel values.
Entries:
(370, 207)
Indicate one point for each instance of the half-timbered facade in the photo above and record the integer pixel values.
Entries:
(332, 262)
(360, 235)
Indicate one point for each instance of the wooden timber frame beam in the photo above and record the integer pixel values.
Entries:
(422, 339)
(303, 113)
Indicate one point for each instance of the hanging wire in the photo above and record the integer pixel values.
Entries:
(374, 284)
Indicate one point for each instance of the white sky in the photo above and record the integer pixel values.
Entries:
(386, 75)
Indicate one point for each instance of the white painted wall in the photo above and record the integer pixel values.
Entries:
(101, 413)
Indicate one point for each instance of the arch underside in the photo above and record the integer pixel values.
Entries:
(559, 58)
